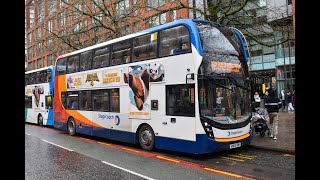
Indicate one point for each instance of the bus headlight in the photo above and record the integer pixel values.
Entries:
(207, 128)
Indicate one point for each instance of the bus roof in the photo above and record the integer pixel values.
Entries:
(40, 69)
(146, 31)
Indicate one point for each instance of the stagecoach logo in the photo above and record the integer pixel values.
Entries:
(233, 133)
(91, 78)
(116, 119)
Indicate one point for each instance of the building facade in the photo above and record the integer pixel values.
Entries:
(48, 22)
(275, 66)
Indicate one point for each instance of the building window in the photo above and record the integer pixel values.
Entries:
(51, 6)
(39, 32)
(256, 53)
(49, 25)
(62, 19)
(30, 66)
(173, 15)
(63, 2)
(135, 26)
(40, 11)
(29, 37)
(157, 20)
(122, 6)
(50, 59)
(30, 53)
(77, 10)
(289, 2)
(155, 3)
(39, 65)
(31, 14)
(39, 48)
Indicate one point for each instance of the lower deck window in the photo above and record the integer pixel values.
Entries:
(180, 100)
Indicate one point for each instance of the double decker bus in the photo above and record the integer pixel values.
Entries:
(181, 86)
(39, 86)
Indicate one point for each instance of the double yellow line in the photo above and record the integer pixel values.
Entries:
(237, 157)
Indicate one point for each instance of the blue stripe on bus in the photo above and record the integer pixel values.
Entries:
(50, 118)
(202, 145)
(242, 45)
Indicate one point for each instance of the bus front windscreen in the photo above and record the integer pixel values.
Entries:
(224, 100)
(224, 94)
(222, 53)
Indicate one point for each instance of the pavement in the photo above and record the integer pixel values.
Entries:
(285, 139)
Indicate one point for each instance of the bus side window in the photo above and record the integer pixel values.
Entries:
(172, 40)
(180, 100)
(145, 47)
(101, 58)
(64, 99)
(85, 61)
(119, 50)
(85, 100)
(61, 66)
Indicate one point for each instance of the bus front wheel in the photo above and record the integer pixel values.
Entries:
(40, 120)
(71, 127)
(146, 138)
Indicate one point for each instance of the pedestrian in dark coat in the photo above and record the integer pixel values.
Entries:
(273, 104)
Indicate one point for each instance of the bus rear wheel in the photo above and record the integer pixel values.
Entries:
(146, 138)
(71, 127)
(40, 120)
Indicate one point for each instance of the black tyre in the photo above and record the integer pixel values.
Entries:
(146, 138)
(40, 120)
(71, 127)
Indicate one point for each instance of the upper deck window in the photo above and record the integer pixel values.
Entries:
(174, 41)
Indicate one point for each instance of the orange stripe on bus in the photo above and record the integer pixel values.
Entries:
(232, 139)
(75, 114)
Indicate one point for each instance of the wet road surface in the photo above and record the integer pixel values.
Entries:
(88, 155)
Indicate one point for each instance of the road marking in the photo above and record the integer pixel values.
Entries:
(143, 176)
(223, 172)
(56, 145)
(84, 139)
(288, 155)
(168, 159)
(244, 155)
(132, 150)
(104, 143)
(233, 159)
(28, 134)
(239, 156)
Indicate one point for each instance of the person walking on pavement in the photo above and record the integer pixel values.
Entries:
(283, 99)
(273, 104)
(290, 107)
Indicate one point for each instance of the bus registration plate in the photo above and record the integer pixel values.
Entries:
(235, 145)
